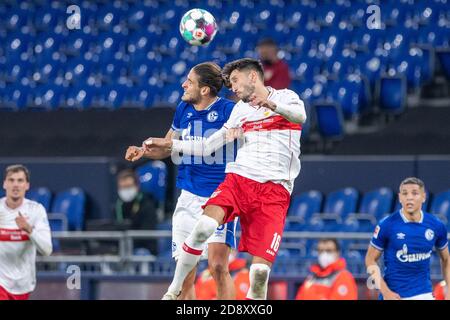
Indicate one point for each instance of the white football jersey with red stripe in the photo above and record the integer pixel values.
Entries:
(18, 249)
(271, 146)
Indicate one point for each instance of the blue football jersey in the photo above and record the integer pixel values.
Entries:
(407, 248)
(196, 174)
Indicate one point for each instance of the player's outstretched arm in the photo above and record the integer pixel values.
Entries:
(195, 148)
(445, 266)
(135, 153)
(373, 269)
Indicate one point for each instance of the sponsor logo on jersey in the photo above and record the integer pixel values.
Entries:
(215, 194)
(377, 230)
(212, 116)
(13, 235)
(429, 234)
(403, 256)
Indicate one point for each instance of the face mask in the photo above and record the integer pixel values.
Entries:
(267, 62)
(127, 194)
(326, 258)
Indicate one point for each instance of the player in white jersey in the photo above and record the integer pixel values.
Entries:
(23, 229)
(258, 184)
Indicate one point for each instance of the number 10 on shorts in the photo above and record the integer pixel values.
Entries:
(275, 242)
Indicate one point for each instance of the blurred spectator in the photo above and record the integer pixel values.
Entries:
(135, 210)
(276, 71)
(205, 286)
(440, 290)
(329, 279)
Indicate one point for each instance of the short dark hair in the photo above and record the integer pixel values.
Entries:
(267, 42)
(242, 64)
(17, 168)
(209, 75)
(127, 173)
(336, 243)
(413, 180)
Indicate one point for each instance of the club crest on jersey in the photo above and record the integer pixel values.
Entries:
(429, 234)
(212, 116)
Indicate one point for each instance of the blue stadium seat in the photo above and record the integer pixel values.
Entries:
(71, 203)
(341, 202)
(440, 205)
(377, 203)
(330, 120)
(393, 94)
(17, 97)
(80, 97)
(42, 195)
(304, 206)
(360, 223)
(48, 96)
(153, 179)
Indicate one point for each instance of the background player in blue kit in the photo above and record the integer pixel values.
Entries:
(407, 238)
(198, 116)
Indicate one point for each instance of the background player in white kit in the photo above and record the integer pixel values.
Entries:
(23, 229)
(200, 112)
(258, 183)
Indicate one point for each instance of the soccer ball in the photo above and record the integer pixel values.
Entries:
(198, 27)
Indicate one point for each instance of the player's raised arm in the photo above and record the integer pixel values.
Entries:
(191, 147)
(373, 269)
(290, 107)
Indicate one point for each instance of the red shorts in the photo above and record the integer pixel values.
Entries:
(262, 209)
(5, 295)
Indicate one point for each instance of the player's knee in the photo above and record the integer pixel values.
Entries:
(259, 276)
(218, 269)
(204, 229)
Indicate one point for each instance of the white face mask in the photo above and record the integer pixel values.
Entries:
(326, 258)
(127, 194)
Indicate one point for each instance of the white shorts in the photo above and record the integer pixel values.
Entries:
(186, 214)
(423, 296)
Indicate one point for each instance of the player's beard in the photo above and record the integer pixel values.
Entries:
(192, 99)
(248, 91)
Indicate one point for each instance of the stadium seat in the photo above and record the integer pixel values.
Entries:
(42, 195)
(341, 202)
(164, 243)
(377, 203)
(304, 206)
(71, 203)
(330, 120)
(392, 95)
(153, 179)
(440, 206)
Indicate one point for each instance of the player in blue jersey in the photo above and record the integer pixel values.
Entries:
(406, 238)
(200, 113)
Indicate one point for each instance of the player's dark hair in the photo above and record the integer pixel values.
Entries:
(242, 64)
(336, 243)
(413, 180)
(267, 42)
(17, 168)
(127, 173)
(209, 75)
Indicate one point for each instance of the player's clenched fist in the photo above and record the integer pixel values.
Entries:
(134, 153)
(157, 143)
